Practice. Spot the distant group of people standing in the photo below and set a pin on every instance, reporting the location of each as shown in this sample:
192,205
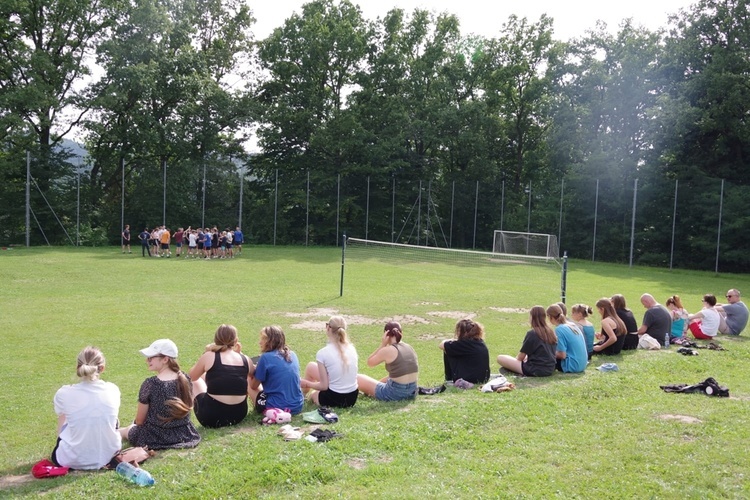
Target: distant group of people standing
558,343
206,243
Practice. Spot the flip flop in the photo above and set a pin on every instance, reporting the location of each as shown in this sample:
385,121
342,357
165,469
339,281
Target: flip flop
290,433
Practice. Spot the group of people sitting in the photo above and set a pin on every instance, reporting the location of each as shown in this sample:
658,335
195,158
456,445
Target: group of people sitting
556,342
207,243
224,382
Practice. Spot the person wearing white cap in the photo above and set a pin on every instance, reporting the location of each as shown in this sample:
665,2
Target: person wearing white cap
162,419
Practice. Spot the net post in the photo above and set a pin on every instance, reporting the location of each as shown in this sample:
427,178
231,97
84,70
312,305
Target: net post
564,277
343,255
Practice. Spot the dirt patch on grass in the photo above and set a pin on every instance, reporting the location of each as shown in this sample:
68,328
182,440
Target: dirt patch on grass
683,419
11,481
430,336
428,303
316,319
511,310
452,314
357,463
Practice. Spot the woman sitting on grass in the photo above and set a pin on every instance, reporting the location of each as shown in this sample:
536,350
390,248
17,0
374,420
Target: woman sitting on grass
333,376
612,335
679,316
87,436
401,364
630,340
220,378
704,324
537,355
571,346
580,313
276,383
162,419
466,355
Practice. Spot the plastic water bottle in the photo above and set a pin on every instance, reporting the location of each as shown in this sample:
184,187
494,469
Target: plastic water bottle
134,474
666,341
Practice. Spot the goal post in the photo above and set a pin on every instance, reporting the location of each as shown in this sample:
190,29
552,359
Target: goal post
530,245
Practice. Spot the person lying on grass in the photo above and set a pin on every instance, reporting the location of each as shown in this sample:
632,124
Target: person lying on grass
331,380
401,364
162,419
537,355
466,355
87,416
220,378
276,383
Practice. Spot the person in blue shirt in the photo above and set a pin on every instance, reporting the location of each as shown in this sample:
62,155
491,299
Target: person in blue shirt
278,372
238,239
571,354
144,237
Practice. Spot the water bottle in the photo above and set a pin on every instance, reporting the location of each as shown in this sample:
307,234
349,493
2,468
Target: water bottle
134,474
666,341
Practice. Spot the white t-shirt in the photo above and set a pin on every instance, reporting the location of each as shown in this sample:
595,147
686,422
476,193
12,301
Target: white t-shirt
710,322
341,378
89,438
192,238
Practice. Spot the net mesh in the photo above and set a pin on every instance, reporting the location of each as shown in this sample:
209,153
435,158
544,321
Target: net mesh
430,267
532,245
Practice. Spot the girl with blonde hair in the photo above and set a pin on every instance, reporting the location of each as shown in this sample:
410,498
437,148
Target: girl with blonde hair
221,377
87,416
162,419
537,355
276,383
332,378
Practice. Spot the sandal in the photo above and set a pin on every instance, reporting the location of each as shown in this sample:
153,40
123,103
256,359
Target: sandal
291,433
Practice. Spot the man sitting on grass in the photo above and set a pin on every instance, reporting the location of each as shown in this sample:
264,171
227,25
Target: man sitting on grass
734,314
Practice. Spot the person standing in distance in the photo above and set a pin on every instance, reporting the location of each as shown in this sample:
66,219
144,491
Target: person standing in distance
144,237
238,239
126,238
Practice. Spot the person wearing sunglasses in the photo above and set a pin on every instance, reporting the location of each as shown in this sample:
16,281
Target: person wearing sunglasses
733,315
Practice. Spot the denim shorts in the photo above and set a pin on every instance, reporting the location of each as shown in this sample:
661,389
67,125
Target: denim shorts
393,391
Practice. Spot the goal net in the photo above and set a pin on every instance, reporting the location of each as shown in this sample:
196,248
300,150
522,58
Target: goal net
529,245
433,267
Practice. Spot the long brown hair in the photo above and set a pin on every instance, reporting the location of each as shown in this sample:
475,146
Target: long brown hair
608,311
180,406
225,338
538,320
393,329
275,340
556,314
467,329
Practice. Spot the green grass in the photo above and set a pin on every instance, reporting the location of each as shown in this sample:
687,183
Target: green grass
590,436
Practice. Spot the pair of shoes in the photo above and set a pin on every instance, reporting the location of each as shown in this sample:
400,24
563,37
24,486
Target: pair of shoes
328,415
686,351
429,391
290,433
462,384
324,435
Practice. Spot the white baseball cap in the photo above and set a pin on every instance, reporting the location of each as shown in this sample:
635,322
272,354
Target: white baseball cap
161,347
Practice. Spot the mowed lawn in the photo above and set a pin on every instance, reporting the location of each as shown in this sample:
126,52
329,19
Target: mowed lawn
595,435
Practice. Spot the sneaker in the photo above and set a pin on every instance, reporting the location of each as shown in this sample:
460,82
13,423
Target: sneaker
463,384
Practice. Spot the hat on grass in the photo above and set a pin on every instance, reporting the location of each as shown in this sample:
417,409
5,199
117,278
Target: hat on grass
161,347
45,468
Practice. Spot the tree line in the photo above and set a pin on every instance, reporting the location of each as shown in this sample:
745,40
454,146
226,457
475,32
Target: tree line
523,122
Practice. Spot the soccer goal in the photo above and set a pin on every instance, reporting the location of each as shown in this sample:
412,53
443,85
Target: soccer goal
437,265
529,245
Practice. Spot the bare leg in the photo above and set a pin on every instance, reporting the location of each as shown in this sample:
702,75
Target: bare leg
510,363
367,385
124,431
199,386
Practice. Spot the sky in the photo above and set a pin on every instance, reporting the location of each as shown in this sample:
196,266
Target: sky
485,17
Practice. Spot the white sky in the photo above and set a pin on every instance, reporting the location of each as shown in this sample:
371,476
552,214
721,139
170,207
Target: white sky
485,17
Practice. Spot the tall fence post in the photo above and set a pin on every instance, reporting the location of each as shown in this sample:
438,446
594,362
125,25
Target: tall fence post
307,210
476,209
28,198
367,209
559,225
674,222
632,221
596,214
242,184
164,191
122,194
393,208
275,205
203,201
718,231
419,213
338,204
453,199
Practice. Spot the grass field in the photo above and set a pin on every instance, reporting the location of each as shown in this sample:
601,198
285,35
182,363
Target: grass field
595,435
